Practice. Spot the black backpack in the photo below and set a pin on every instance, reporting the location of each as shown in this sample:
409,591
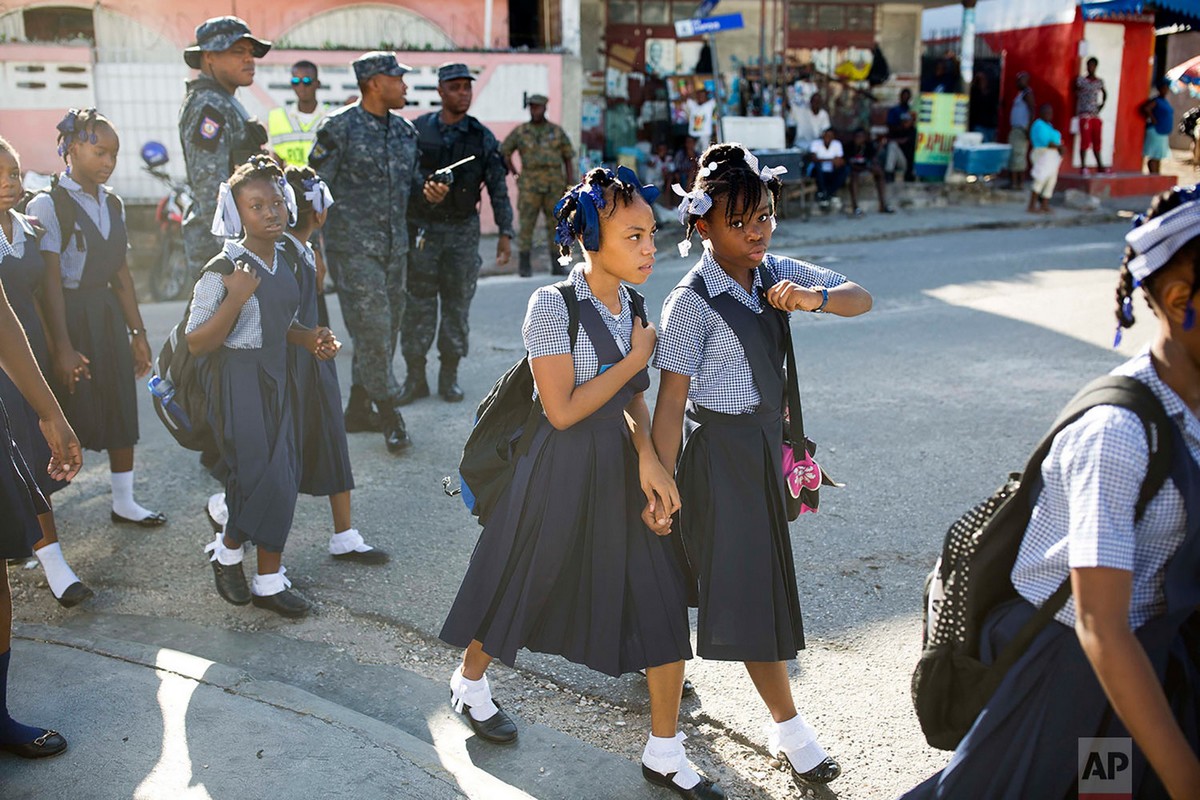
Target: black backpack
180,402
505,422
65,209
950,685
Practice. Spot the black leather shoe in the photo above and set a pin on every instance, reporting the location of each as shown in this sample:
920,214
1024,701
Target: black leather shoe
360,417
288,603
231,583
373,556
50,743
75,594
704,790
154,520
415,388
395,435
448,386
822,773
497,729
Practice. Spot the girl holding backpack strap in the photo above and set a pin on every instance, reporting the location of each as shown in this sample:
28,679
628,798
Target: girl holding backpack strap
96,332
22,271
721,352
568,561
243,316
1128,638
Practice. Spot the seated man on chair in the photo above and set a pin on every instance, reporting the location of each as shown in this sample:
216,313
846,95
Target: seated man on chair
828,165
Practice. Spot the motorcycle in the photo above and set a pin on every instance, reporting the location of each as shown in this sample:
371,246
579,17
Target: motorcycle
170,279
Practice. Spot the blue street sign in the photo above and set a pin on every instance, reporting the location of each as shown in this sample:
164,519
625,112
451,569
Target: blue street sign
706,8
685,28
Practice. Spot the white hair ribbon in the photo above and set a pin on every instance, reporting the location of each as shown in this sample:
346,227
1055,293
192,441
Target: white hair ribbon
318,195
227,223
289,200
1157,240
695,202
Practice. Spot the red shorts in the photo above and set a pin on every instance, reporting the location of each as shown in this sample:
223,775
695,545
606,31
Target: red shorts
1089,133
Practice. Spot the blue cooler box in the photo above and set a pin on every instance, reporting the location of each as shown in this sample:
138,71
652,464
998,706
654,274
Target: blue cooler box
982,159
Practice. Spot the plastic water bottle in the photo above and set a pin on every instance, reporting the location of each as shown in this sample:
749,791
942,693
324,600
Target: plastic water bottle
162,388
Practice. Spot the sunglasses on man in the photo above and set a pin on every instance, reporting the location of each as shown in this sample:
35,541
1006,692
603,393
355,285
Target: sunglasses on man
306,80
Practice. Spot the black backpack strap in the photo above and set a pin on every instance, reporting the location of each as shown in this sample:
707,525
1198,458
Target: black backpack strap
567,290
638,303
65,211
292,255
1110,390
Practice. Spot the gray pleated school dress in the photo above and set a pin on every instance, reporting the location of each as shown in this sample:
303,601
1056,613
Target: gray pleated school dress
565,564
1050,700
250,410
317,404
20,498
103,410
21,277
735,548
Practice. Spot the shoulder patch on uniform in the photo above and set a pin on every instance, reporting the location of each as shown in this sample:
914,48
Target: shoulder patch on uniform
208,128
325,145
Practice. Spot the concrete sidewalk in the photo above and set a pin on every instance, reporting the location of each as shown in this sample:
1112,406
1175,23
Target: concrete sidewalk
238,715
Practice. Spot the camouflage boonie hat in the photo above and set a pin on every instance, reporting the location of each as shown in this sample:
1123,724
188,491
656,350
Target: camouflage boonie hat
218,35
378,62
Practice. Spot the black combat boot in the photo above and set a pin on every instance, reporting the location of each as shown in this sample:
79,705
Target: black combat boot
360,415
394,433
448,386
524,265
415,385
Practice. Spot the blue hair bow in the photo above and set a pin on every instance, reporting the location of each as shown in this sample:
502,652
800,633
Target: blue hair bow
67,123
589,199
649,192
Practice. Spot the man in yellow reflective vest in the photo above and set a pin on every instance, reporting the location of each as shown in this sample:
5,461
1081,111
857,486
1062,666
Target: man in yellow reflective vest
293,130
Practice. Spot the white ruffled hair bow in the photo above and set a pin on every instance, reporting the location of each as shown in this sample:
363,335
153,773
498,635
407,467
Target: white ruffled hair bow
318,195
227,223
766,173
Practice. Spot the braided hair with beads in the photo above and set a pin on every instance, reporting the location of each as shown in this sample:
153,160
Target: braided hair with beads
728,170
259,167
577,214
79,126
1189,252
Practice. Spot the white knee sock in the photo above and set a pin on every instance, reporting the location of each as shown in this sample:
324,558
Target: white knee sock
122,497
476,695
664,755
798,740
59,574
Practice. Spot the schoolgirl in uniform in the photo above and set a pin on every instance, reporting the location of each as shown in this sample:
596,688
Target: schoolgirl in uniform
566,562
721,351
22,502
239,328
320,428
1128,639
96,332
22,271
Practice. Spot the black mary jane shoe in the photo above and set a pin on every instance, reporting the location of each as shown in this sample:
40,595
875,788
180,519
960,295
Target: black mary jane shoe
50,743
704,790
497,729
154,520
822,773
231,583
288,603
75,594
372,557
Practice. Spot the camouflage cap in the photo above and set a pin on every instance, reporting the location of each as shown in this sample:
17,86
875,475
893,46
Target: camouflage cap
378,62
537,100
217,35
449,72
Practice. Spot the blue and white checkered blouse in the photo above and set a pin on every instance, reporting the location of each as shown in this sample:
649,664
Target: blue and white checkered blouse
546,329
209,292
22,230
1084,515
694,340
74,258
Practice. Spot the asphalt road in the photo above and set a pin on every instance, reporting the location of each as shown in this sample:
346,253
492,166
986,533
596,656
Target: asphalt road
921,407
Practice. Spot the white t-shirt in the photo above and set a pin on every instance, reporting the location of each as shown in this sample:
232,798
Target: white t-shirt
826,154
700,120
810,126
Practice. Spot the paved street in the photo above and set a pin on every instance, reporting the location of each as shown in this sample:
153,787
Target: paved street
921,407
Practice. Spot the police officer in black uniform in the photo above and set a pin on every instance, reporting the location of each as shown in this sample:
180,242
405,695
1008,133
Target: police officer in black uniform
215,129
444,260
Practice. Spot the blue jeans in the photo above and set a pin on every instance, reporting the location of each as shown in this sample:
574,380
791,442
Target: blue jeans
828,183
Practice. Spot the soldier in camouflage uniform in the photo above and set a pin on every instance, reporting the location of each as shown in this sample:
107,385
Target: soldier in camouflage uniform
368,157
215,129
546,172
445,258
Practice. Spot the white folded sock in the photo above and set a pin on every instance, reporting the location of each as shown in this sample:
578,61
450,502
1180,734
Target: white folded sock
218,510
227,556
476,695
348,541
798,740
664,755
272,583
122,497
59,574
